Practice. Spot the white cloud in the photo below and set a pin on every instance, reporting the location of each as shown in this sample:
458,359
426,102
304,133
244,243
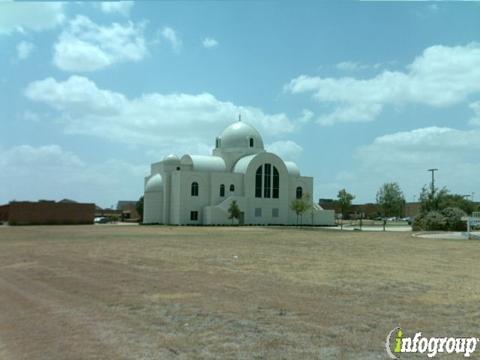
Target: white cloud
209,43
307,116
24,49
354,113
171,120
120,7
171,36
417,145
355,66
86,46
25,16
441,76
65,175
286,149
475,106
51,156
405,157
347,66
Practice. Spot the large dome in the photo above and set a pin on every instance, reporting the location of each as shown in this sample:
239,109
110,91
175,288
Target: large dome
240,135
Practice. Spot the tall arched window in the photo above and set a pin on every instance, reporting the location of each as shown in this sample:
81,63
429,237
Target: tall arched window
194,191
222,190
232,188
267,182
251,142
258,182
299,192
276,183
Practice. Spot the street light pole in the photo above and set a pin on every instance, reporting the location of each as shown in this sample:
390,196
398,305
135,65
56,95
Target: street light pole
433,178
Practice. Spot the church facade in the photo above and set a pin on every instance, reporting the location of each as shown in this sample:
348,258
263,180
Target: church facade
198,189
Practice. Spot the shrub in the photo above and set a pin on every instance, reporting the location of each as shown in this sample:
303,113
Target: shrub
434,220
448,219
418,223
453,216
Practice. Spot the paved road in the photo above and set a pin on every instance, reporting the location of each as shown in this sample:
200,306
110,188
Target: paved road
373,228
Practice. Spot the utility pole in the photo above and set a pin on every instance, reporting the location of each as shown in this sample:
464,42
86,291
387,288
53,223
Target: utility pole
433,179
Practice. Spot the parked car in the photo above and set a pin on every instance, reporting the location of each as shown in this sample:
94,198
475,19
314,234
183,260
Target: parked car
101,220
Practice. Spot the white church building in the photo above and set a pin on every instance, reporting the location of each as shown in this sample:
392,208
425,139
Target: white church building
198,189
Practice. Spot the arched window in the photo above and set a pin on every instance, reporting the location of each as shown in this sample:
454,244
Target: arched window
258,182
267,182
194,189
299,192
251,142
222,190
276,183
232,187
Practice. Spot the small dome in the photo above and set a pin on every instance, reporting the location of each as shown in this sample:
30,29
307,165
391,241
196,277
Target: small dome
240,135
154,184
292,168
171,159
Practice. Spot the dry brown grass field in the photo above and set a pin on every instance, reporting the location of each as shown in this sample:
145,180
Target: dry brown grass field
148,292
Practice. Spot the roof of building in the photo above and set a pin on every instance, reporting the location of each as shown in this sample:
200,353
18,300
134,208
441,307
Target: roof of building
171,159
154,184
238,135
125,203
67,201
204,162
242,164
292,168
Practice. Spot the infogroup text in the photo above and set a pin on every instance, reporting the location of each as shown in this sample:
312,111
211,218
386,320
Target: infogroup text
397,343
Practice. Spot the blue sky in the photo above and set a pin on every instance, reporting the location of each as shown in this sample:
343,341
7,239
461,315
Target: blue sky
357,93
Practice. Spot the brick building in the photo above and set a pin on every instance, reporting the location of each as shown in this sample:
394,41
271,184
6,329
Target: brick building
47,213
128,209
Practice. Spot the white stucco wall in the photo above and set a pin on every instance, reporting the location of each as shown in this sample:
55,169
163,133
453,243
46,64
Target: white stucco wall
187,202
235,162
153,208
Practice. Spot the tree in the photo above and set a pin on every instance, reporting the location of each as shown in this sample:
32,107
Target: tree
139,207
456,201
345,201
431,199
390,199
300,206
234,211
440,210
